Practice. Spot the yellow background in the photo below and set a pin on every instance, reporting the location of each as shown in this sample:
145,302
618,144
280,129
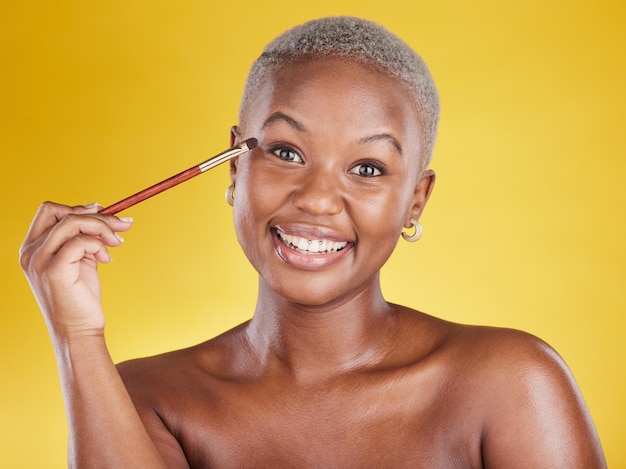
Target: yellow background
525,228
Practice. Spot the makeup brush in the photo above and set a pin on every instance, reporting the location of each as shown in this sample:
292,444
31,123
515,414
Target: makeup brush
180,177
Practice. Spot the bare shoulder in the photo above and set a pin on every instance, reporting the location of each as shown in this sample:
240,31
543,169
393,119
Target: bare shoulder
513,370
182,370
155,372
172,392
530,409
512,365
519,402
507,353
486,350
491,353
537,411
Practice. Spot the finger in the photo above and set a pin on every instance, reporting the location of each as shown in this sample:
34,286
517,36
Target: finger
49,214
72,225
72,221
115,222
43,250
79,248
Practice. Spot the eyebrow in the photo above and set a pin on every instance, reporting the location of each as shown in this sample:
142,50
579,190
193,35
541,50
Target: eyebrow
280,116
388,137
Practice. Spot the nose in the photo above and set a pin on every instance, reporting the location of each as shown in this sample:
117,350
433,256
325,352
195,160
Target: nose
318,193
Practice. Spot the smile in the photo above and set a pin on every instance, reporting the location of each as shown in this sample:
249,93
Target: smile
311,246
308,248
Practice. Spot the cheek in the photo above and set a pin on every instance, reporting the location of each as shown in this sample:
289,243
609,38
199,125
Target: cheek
257,198
246,226
258,193
380,216
378,232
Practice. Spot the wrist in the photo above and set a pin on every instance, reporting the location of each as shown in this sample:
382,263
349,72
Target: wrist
67,341
72,330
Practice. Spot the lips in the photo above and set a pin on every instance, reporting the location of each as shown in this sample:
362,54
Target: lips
309,248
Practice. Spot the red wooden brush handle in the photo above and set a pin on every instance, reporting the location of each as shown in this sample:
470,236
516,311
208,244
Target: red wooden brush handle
237,150
151,191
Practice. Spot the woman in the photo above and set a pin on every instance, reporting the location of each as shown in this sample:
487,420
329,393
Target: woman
326,373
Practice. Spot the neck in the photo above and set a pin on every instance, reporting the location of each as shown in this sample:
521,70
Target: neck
310,342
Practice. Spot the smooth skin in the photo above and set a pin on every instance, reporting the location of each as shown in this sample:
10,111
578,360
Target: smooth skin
326,373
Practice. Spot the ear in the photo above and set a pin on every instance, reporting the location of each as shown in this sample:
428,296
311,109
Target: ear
235,138
421,195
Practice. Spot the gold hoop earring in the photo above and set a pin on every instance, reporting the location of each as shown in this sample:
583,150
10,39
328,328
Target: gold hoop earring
411,238
230,195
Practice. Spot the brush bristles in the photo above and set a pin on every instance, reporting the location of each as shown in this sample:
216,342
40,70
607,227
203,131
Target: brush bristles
251,143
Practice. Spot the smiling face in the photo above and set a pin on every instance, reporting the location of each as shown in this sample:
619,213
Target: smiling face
321,201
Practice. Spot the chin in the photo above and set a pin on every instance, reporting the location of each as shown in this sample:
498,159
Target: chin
311,292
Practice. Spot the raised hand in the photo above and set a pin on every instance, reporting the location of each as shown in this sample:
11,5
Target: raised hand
60,257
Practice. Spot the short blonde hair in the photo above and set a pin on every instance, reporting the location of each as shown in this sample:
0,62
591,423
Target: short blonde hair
362,41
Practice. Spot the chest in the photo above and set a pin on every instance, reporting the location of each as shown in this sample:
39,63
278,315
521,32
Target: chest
360,425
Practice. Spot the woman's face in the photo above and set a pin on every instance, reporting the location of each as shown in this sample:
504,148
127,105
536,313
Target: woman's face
320,203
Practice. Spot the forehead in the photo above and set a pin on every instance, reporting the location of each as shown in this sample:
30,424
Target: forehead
338,90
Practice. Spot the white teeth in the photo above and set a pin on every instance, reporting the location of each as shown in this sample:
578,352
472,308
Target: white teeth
311,245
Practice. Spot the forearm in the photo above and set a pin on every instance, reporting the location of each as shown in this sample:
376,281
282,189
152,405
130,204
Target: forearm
105,428
59,257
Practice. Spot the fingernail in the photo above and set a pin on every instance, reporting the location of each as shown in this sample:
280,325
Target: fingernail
93,205
126,219
119,238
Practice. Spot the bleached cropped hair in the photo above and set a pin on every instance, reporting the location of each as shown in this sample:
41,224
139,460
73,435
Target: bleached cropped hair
362,41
